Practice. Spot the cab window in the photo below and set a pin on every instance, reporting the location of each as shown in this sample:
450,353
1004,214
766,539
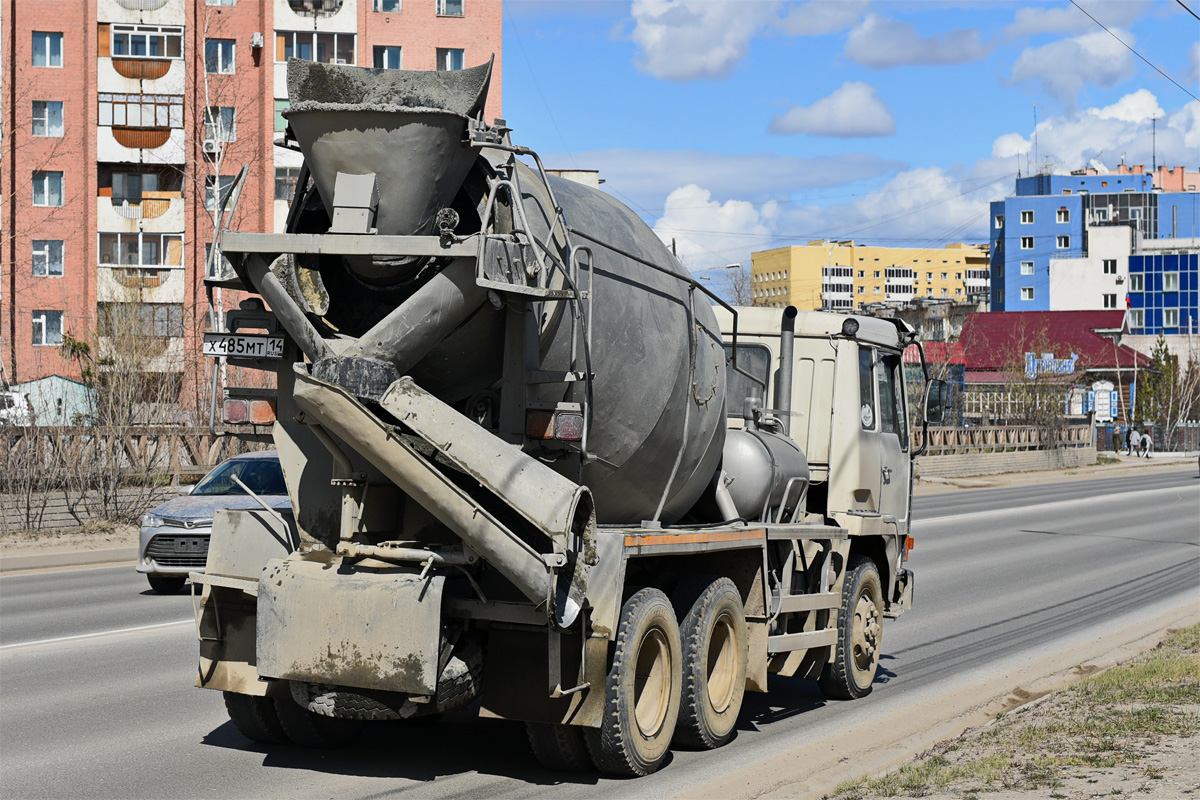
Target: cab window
754,359
891,399
866,388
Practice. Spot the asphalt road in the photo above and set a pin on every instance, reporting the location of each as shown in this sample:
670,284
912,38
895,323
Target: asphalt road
96,696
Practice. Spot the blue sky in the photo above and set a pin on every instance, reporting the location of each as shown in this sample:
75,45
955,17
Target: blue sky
750,124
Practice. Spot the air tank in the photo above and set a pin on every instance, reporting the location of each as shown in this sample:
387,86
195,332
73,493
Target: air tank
657,394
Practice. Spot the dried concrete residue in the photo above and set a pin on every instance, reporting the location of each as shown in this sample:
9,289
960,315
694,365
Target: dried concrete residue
458,91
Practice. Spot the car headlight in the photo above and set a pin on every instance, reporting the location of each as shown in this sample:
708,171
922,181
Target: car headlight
151,521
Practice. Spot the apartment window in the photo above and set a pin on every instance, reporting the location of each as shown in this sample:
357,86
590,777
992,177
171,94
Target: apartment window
1026,242
163,320
47,49
1026,267
47,328
392,6
999,223
47,258
47,118
1063,242
161,250
1170,317
1026,292
450,8
141,110
1063,215
1110,266
958,276
327,48
958,292
215,189
220,2
1170,281
876,274
862,273
449,59
219,56
945,292
944,275
1135,282
387,57
47,188
220,124
1110,300
1137,319
862,290
1026,217
928,277
285,182
875,290
146,41
127,187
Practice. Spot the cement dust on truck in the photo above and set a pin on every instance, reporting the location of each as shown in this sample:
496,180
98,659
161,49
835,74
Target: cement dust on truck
532,462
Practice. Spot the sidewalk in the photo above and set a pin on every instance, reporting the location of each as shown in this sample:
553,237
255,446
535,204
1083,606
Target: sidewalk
1112,465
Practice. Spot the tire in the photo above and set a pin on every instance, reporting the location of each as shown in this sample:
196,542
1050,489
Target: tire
642,692
313,730
860,635
559,747
255,718
166,584
715,650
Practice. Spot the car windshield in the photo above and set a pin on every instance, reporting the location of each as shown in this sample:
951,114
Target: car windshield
262,475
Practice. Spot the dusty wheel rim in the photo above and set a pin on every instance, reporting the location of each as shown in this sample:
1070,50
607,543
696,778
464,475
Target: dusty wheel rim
652,683
867,629
721,666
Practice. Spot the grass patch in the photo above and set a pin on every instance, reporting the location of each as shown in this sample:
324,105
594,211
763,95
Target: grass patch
1103,721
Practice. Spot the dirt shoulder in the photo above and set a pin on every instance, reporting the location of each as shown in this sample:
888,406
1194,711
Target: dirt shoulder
1112,465
1132,730
25,543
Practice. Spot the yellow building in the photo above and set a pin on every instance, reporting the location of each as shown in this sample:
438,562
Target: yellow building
840,275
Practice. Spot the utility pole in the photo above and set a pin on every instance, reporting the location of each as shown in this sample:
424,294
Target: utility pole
1154,144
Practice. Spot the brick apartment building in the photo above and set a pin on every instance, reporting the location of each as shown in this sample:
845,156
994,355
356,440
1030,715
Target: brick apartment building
121,120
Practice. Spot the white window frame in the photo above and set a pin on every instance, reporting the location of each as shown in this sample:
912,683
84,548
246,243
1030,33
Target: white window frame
385,50
1137,318
47,254
217,61
1063,215
377,5
1108,300
1027,217
46,114
49,41
309,38
1027,293
1136,282
46,177
1024,240
444,8
447,57
223,183
220,123
1026,267
1062,242
1170,282
145,33
1170,317
1109,266
150,110
141,239
44,333
999,223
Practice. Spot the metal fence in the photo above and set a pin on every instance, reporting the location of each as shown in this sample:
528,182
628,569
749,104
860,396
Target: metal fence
947,441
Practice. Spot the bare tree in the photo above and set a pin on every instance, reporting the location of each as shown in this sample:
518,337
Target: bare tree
1169,394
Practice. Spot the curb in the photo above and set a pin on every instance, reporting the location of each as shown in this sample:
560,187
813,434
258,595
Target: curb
70,558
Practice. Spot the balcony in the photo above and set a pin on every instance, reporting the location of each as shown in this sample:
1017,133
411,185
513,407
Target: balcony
141,69
150,205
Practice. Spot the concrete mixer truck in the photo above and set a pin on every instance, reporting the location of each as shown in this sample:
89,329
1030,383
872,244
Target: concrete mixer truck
535,467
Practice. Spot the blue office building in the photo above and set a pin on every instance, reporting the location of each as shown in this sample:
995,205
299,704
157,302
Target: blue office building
1049,218
1164,290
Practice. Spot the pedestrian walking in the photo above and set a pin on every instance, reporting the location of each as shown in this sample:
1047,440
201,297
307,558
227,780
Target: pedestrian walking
1116,439
1147,443
1129,441
1135,443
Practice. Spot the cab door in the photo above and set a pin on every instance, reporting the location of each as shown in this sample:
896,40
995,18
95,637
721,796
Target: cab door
895,466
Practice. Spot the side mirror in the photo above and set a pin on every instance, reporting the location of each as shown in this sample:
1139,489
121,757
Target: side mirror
937,399
185,490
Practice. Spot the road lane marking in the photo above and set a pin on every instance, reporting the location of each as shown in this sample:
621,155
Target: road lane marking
97,634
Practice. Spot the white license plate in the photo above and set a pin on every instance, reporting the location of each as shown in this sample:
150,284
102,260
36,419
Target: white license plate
243,345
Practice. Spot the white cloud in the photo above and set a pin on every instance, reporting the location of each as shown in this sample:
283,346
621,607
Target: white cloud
1061,69
854,109
1068,19
1193,74
1121,130
682,40
819,17
712,234
881,43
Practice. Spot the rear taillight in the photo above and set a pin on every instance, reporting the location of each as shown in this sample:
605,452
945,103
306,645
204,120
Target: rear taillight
564,424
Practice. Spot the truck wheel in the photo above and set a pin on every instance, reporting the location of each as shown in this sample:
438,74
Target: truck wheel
166,584
860,635
313,730
642,692
255,718
559,747
714,667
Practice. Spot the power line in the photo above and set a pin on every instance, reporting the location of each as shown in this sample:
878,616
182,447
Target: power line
1135,52
1185,8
